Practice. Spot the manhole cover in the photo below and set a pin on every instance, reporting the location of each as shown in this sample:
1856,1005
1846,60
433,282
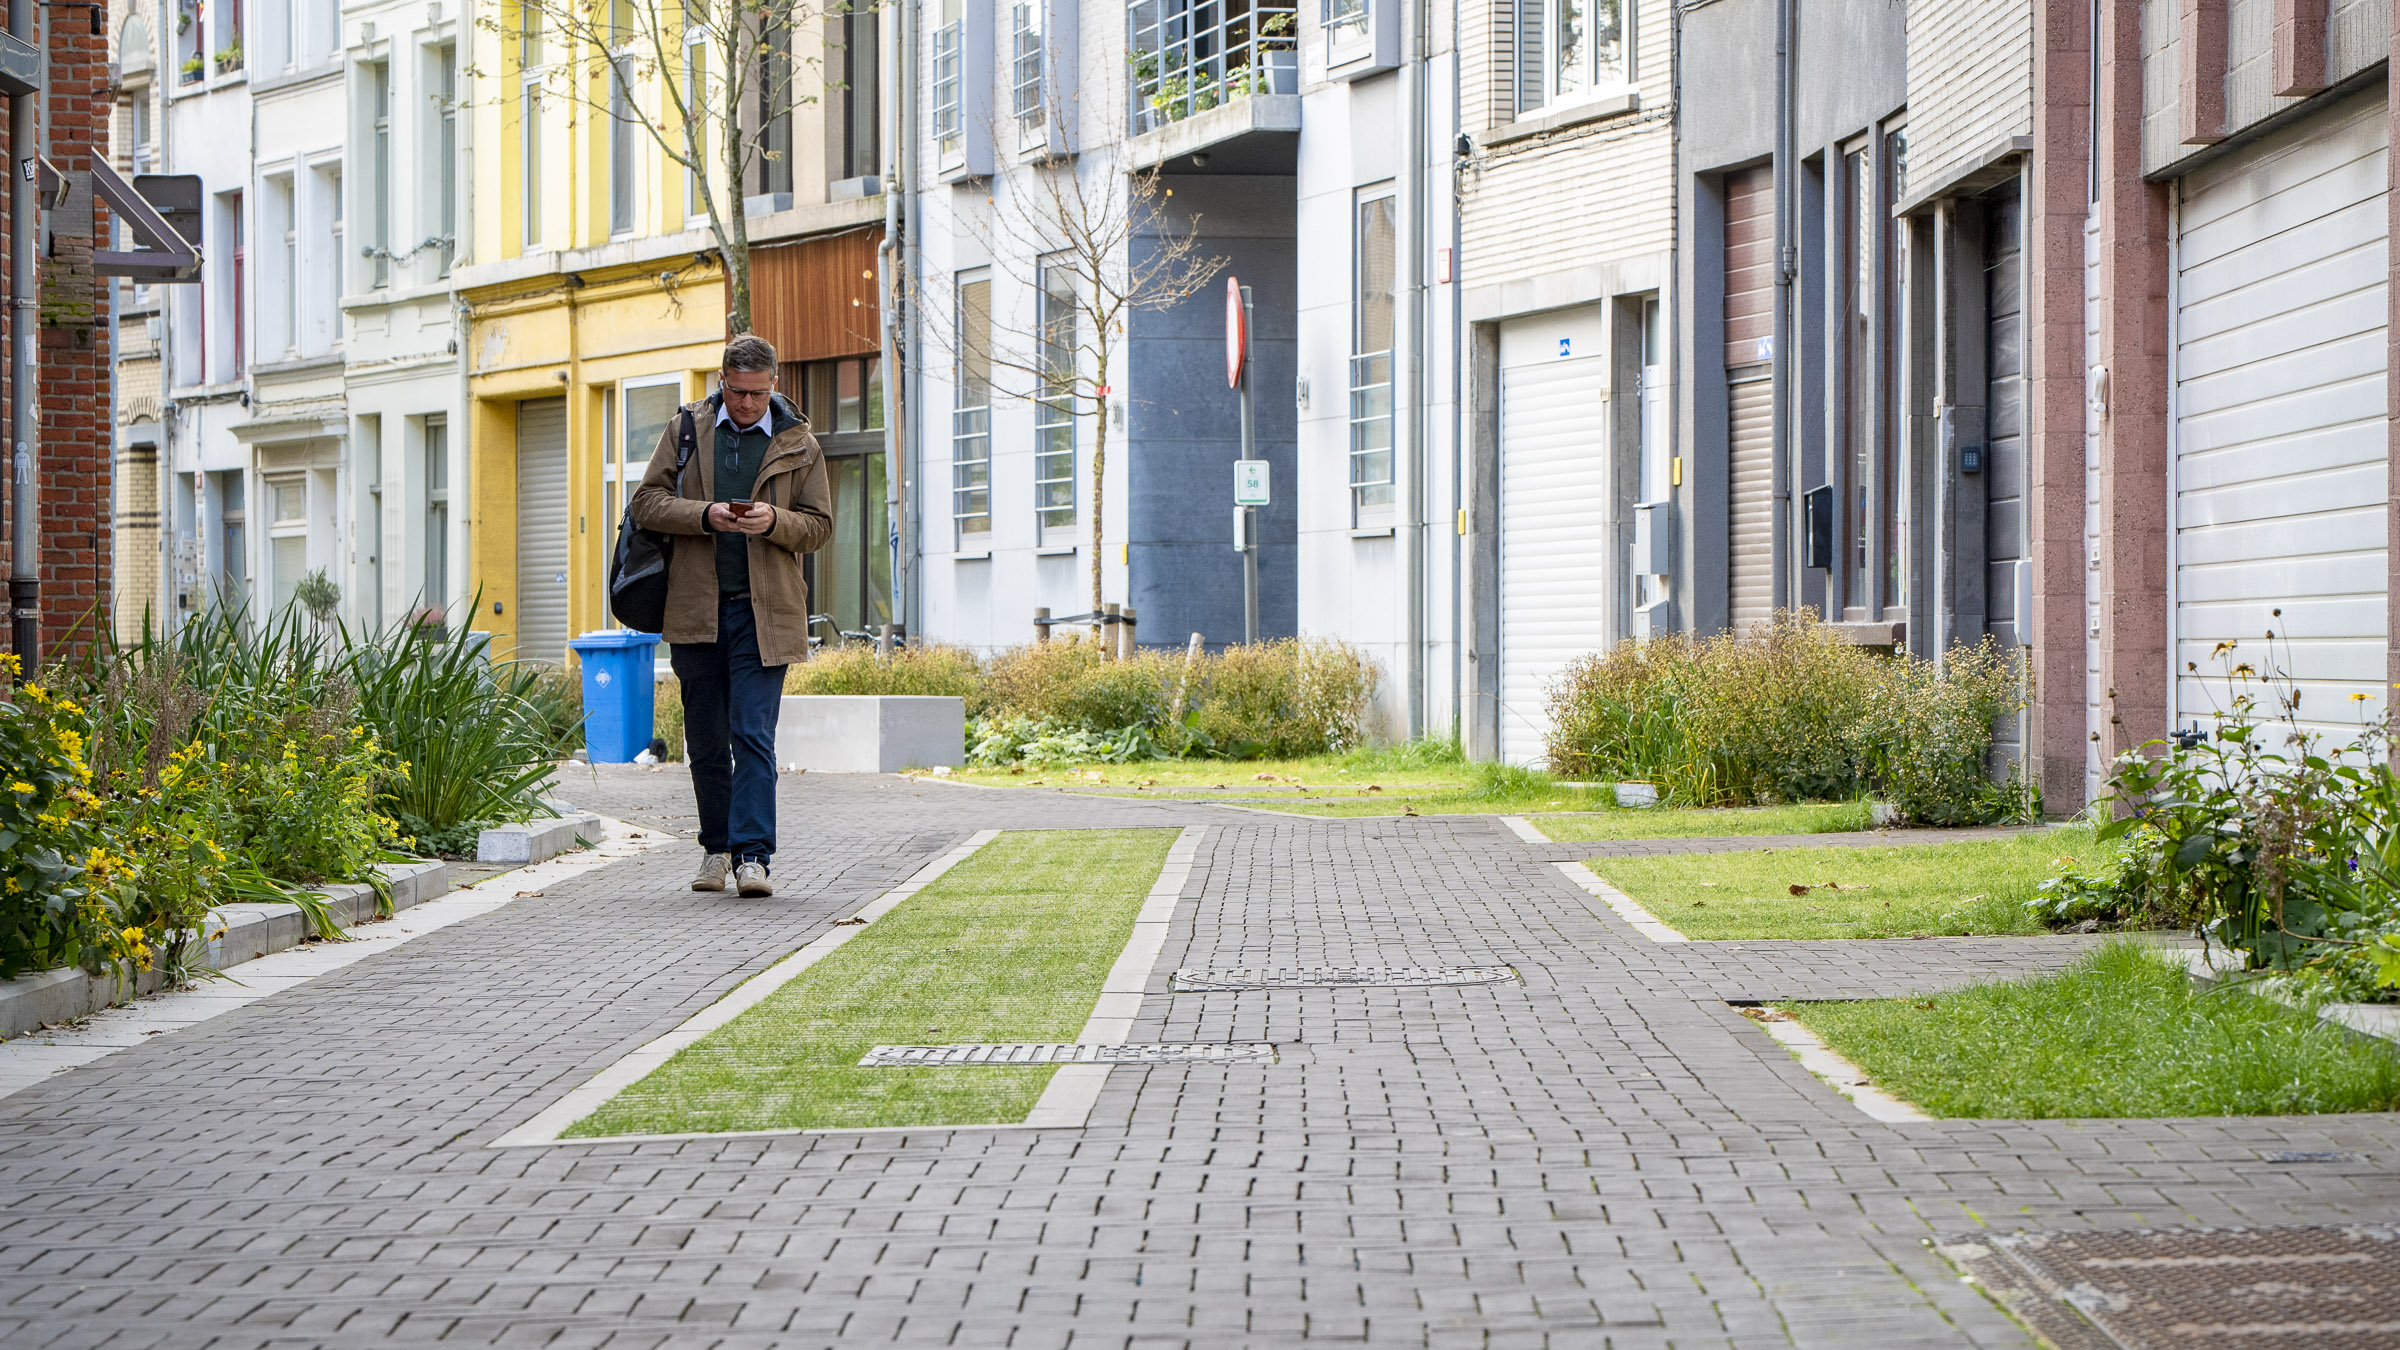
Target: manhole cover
2326,1288
1336,977
1032,1052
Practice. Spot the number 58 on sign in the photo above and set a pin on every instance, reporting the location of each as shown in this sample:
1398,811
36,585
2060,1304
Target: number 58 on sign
1250,482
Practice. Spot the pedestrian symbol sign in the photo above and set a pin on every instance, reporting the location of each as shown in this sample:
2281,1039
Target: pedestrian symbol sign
1249,482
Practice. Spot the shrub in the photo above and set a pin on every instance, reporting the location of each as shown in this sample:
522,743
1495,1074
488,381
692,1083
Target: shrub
1283,699
44,830
557,698
666,722
2288,848
472,733
1927,728
853,668
1790,712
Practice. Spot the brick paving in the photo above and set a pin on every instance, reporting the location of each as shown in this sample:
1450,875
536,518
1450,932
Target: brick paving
1602,1155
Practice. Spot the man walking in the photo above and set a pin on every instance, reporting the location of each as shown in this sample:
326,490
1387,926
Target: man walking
752,500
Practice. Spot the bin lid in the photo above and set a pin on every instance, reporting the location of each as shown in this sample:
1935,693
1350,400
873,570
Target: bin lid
610,639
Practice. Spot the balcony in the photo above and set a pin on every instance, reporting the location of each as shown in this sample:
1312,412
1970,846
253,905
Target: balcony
1216,85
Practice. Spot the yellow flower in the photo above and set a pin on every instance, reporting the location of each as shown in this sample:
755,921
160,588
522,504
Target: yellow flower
28,787
132,935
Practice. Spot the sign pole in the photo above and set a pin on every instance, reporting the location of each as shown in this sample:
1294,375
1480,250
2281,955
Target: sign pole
1249,513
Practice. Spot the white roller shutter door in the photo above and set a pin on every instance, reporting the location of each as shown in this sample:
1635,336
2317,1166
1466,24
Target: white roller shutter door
1750,561
1554,582
2281,450
542,514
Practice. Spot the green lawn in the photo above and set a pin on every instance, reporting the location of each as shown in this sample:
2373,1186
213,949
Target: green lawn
1976,887
2121,1033
1666,823
1011,945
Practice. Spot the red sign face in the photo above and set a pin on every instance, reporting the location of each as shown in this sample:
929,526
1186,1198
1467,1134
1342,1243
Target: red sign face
1237,334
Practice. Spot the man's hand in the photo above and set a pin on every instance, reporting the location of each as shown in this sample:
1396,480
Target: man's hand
758,519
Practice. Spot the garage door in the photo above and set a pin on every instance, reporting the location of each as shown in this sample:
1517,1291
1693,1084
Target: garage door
1750,395
1554,511
2279,475
542,530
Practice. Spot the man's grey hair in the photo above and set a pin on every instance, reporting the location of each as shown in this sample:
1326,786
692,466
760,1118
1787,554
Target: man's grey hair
750,353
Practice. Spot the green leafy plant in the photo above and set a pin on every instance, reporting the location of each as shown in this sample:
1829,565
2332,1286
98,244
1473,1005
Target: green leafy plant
2289,847
853,668
1789,712
319,596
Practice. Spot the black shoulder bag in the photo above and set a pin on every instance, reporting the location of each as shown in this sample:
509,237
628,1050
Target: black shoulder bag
637,575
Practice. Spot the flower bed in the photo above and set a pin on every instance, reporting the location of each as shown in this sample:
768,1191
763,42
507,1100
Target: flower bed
1068,701
154,782
1790,712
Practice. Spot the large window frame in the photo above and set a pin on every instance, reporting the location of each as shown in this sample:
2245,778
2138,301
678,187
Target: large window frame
1570,52
971,413
624,133
529,129
376,88
442,76
436,452
630,427
1054,476
1374,290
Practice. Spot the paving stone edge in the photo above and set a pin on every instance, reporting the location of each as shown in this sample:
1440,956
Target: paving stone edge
243,932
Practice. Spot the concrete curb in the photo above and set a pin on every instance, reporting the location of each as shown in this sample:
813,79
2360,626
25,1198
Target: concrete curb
533,841
243,932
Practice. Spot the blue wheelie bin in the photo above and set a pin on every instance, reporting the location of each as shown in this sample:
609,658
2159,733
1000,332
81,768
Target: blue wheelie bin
619,693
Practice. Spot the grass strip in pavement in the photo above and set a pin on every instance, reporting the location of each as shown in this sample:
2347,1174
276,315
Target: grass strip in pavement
1975,887
1011,945
1673,823
2122,1032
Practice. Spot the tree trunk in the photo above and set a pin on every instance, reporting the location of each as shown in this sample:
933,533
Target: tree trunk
1099,467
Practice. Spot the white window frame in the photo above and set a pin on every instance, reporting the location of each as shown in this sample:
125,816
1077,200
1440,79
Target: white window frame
279,290
440,153
1054,401
695,87
433,445
1593,78
971,424
281,527
1373,488
949,84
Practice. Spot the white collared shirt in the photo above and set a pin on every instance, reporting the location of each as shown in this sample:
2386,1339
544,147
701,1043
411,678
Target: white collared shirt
725,417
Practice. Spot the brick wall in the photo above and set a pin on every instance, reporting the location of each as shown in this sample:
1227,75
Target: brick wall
73,468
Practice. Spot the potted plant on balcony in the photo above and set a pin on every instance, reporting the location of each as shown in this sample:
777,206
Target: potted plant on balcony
1279,56
229,57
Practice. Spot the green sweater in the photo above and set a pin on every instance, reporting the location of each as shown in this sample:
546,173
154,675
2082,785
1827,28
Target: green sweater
739,453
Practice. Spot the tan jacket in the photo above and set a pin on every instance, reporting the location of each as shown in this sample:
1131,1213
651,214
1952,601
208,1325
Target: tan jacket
791,479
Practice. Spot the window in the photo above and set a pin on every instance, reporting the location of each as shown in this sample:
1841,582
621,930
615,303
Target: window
191,41
695,70
323,253
1376,282
1025,72
971,418
377,79
1571,50
649,404
862,102
279,280
437,511
444,197
1891,495
237,293
1345,21
233,567
1054,409
1193,55
624,167
839,396
771,165
529,127
138,128
287,538
949,99
371,531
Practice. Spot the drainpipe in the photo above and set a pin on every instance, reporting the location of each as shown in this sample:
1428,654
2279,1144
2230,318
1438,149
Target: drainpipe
897,182
1784,447
1412,391
24,576
1458,417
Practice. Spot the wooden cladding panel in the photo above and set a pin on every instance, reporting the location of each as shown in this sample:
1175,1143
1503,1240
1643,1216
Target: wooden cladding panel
1749,263
817,298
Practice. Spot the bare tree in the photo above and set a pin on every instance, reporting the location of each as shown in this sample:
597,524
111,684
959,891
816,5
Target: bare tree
702,79
1099,246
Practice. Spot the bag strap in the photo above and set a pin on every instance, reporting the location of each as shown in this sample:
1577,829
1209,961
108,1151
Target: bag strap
684,440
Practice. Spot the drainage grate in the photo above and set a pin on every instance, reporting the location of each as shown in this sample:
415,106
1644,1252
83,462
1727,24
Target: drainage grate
2328,1288
2313,1157
1336,977
1029,1052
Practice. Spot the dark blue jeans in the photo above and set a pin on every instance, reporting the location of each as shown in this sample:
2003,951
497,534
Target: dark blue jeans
730,703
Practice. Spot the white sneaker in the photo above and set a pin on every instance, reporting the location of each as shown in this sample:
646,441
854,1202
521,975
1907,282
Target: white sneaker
751,878
712,872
